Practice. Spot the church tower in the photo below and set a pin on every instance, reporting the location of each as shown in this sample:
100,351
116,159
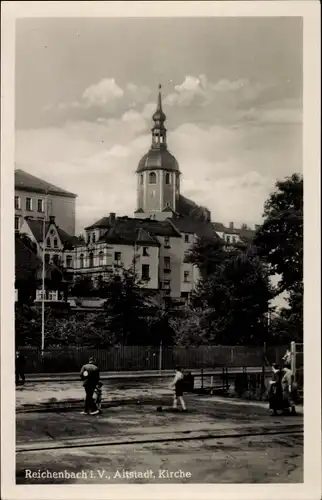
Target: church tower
158,175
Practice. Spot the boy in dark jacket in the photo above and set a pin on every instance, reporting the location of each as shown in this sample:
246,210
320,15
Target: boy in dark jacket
90,375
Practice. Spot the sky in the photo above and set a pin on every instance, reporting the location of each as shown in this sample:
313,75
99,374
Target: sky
86,90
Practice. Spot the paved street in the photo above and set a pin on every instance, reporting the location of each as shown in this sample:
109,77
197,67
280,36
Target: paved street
217,440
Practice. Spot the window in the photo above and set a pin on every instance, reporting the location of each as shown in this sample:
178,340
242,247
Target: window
234,239
47,258
40,206
17,224
167,242
101,258
145,272
39,295
48,243
91,260
81,260
228,239
56,259
117,256
52,295
186,276
186,238
145,252
152,178
17,203
166,284
167,178
167,263
93,238
69,261
88,238
141,179
29,204
55,243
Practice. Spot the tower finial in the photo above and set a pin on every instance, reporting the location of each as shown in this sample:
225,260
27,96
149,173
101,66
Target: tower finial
160,86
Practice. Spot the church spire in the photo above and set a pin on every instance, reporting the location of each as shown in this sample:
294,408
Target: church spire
159,132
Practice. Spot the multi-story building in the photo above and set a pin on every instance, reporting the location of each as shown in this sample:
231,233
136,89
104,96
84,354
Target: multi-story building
38,199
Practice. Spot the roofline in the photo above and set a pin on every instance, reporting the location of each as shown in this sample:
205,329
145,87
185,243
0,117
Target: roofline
64,194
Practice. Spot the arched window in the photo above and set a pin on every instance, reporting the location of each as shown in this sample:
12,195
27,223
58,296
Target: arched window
48,243
152,178
91,260
55,243
81,260
69,261
93,238
141,179
101,258
167,178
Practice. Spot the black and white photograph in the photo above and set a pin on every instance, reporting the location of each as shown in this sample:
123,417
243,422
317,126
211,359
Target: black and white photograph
155,201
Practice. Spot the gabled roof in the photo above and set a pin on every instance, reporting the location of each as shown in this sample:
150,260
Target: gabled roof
127,233
36,226
27,182
120,226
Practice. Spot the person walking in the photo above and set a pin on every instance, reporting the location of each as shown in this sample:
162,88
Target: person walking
20,367
90,375
177,384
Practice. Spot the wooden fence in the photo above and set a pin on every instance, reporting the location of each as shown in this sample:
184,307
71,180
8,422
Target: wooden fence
130,358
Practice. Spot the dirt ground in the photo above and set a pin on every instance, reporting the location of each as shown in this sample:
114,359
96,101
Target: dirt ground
214,455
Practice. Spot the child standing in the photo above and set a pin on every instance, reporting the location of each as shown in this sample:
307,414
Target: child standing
177,384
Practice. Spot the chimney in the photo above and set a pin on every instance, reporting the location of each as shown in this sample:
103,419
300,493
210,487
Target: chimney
52,219
231,225
112,217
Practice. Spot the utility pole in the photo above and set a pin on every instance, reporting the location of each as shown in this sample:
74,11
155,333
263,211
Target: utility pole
43,277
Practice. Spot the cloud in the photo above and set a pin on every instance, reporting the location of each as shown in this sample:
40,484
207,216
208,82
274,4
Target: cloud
232,139
102,93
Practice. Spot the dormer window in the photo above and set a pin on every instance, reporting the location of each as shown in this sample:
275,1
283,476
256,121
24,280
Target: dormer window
152,178
55,243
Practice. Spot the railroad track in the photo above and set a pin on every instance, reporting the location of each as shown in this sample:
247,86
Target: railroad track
163,438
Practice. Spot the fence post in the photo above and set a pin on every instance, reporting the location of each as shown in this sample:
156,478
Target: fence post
293,359
160,359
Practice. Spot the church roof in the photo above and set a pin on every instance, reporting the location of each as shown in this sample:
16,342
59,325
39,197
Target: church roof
158,159
27,182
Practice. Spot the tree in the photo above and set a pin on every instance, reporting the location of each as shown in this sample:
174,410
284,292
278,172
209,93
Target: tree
82,287
125,307
206,254
279,241
235,297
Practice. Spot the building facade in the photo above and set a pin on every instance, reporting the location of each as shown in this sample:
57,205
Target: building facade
38,199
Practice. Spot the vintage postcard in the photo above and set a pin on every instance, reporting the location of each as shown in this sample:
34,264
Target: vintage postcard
156,340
